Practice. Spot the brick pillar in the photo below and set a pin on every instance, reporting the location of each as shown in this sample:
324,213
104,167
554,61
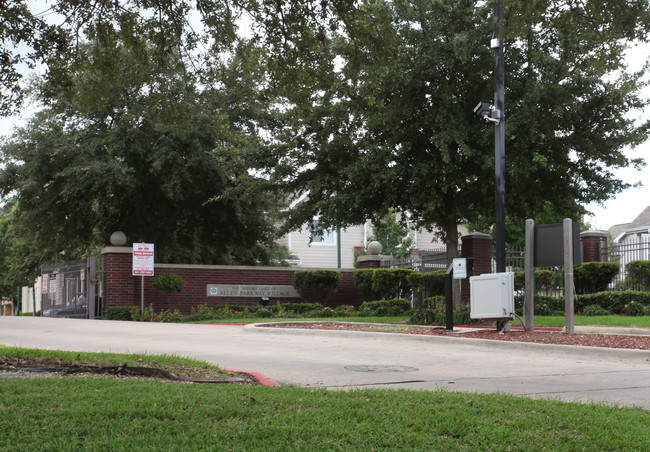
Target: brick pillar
593,242
119,283
479,247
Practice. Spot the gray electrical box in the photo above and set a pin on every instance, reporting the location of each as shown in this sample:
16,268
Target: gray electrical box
492,296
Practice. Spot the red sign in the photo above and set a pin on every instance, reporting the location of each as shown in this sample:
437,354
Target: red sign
143,259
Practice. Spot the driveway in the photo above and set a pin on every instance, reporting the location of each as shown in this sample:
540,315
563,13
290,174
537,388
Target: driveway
342,360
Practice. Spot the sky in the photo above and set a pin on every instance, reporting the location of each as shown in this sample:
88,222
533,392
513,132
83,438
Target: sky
622,208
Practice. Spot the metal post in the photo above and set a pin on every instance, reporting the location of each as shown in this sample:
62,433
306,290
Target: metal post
449,311
568,276
142,296
499,138
529,278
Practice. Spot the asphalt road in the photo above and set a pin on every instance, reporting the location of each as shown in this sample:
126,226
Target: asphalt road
341,360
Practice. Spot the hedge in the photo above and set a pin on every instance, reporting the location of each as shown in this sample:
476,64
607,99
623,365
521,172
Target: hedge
391,282
363,282
594,277
391,307
316,286
612,301
638,273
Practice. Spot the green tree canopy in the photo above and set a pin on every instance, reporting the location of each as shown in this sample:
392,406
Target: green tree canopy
381,114
130,142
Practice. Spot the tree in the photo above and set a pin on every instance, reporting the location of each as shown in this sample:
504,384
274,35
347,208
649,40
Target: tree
129,142
383,117
395,237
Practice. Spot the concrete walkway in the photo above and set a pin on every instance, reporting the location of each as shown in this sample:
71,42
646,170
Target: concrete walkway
348,359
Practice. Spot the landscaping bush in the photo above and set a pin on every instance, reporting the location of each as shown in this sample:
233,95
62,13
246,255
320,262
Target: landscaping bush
433,283
594,310
119,312
593,277
638,273
390,283
544,280
317,286
635,308
168,283
543,305
363,282
298,308
434,312
381,308
613,301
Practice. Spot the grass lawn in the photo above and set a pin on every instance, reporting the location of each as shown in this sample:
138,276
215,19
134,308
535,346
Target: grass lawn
99,413
603,320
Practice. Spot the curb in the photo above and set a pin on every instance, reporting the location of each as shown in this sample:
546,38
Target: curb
550,350
258,377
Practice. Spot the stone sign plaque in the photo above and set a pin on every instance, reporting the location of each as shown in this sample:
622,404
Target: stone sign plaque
251,291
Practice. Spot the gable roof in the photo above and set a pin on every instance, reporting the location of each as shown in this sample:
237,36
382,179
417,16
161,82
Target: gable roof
643,220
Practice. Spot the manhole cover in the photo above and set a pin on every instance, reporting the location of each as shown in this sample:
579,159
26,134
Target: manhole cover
382,368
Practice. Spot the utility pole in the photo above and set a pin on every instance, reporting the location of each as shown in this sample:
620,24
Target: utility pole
499,137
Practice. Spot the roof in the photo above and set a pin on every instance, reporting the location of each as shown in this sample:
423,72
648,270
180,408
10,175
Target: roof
642,220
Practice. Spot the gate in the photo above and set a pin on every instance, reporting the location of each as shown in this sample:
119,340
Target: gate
70,289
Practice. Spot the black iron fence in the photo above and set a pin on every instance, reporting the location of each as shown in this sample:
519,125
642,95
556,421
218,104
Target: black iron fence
427,261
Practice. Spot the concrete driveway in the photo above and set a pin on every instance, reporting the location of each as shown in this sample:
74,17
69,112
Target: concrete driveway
341,360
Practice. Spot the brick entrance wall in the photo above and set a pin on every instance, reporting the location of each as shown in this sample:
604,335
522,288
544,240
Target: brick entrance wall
123,289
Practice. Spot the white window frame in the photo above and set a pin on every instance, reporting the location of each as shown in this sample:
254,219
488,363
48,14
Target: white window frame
328,238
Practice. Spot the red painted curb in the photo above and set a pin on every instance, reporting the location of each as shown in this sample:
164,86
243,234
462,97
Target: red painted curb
258,377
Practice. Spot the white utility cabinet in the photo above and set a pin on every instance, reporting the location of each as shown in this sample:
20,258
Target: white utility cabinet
492,296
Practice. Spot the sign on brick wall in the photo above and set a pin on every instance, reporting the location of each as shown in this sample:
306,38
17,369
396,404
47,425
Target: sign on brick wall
250,291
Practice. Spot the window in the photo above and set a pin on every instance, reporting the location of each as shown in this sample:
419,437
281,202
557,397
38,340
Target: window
325,237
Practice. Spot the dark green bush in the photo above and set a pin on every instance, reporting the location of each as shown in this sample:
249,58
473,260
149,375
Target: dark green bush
593,277
613,301
638,273
168,283
434,312
543,305
317,286
381,308
544,280
391,282
594,310
433,283
363,282
120,312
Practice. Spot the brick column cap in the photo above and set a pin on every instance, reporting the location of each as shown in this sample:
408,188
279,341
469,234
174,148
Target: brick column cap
117,250
477,235
593,233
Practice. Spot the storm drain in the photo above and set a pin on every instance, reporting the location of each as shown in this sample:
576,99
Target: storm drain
384,368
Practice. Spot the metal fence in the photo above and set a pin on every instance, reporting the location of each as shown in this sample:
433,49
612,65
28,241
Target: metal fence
427,261
69,289
633,249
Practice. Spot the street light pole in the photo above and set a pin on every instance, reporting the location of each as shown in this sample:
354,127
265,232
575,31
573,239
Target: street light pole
499,137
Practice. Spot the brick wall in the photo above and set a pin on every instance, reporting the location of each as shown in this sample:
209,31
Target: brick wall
121,288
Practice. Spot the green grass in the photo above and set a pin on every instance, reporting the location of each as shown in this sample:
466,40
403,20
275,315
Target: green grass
398,319
98,413
603,320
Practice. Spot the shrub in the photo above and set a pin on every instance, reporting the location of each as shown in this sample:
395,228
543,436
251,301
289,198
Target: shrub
300,308
434,312
168,283
120,312
634,308
316,286
638,273
363,282
593,277
545,280
543,305
391,282
433,283
594,310
391,307
611,300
